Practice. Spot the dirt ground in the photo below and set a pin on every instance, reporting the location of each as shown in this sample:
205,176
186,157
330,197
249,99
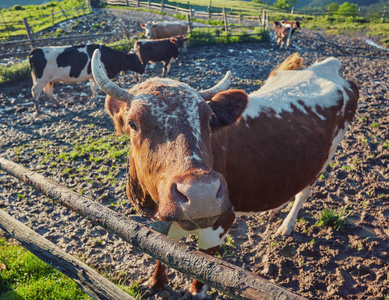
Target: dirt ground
315,262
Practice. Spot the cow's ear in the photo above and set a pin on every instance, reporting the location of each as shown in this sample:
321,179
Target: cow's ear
142,25
227,106
185,38
114,109
173,40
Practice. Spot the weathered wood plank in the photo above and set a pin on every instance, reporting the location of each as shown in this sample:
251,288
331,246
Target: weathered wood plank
86,278
223,276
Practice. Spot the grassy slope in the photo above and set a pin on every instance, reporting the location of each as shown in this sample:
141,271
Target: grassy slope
38,16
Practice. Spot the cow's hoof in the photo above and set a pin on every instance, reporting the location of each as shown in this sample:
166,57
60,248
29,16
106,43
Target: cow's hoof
283,231
199,293
153,285
146,292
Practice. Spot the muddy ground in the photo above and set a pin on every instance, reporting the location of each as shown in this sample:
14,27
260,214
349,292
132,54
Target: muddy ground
76,146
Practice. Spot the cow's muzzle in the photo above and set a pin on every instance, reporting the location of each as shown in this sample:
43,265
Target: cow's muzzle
195,199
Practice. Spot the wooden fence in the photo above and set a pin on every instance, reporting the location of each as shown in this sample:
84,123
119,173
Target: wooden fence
223,276
47,19
238,19
7,48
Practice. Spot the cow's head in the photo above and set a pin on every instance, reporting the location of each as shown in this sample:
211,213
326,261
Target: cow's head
296,25
133,63
179,41
147,27
171,161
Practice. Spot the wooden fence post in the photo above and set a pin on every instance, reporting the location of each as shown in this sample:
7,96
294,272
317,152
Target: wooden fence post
63,12
267,20
189,23
263,18
225,20
161,5
29,35
383,15
149,4
240,18
137,3
5,24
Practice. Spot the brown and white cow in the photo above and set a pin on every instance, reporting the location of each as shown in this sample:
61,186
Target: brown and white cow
162,30
284,31
199,159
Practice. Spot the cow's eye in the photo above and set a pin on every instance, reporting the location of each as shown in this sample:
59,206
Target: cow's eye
211,119
134,125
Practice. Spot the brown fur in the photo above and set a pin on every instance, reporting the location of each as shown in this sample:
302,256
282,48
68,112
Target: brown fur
292,62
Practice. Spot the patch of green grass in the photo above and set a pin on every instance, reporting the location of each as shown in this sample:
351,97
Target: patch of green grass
332,218
39,17
227,248
27,277
14,72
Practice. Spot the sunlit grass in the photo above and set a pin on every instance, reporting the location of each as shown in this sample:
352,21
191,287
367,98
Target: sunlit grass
24,276
14,72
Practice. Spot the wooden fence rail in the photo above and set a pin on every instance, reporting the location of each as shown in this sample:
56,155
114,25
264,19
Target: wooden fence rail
225,277
86,278
69,38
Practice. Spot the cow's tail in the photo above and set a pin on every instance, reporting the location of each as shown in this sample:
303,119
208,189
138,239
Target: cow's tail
293,62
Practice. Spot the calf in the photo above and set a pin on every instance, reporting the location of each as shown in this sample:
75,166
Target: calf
284,31
71,64
198,159
163,50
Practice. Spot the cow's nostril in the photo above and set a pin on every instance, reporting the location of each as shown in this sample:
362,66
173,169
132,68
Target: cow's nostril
178,195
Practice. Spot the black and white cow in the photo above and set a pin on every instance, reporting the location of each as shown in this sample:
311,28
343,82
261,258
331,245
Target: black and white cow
71,64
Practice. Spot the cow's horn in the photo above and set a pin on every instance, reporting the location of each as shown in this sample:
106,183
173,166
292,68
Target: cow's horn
221,86
104,83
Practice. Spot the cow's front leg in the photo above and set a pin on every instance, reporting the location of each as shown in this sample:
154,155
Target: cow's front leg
159,277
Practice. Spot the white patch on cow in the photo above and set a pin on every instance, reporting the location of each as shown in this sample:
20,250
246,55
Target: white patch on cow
192,157
208,237
316,86
168,118
244,213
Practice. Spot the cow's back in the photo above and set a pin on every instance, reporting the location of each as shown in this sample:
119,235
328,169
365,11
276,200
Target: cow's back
281,145
167,30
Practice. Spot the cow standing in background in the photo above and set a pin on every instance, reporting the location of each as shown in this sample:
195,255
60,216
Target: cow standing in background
163,30
163,50
72,64
284,31
199,159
